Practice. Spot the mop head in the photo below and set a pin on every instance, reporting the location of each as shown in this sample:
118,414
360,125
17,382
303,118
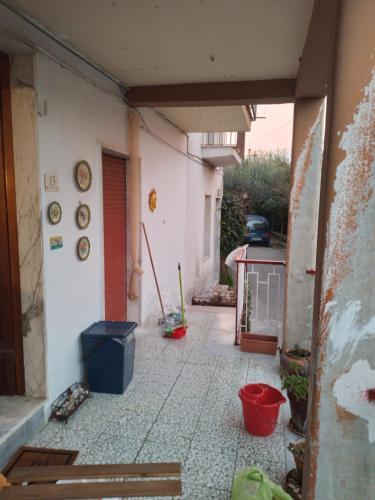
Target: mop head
176,333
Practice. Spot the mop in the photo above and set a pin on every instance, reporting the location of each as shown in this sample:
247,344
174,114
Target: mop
178,331
175,331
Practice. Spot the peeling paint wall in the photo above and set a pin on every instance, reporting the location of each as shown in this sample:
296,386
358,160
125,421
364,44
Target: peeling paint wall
307,151
341,457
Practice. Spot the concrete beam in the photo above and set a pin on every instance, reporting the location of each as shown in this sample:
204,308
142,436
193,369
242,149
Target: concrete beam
212,94
340,456
307,152
318,52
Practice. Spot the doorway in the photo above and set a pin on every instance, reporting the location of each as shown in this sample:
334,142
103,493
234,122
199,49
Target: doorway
114,218
11,348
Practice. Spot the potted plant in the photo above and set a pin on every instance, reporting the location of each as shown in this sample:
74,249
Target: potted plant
296,359
294,477
297,387
298,451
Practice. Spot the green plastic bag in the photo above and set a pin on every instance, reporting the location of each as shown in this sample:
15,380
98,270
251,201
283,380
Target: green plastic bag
253,484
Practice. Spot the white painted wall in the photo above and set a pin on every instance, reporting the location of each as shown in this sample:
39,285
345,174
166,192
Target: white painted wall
76,121
176,228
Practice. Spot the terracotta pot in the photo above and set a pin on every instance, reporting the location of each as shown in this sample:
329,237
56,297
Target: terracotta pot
291,362
298,409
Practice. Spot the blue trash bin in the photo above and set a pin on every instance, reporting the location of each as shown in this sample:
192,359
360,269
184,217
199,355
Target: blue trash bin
108,354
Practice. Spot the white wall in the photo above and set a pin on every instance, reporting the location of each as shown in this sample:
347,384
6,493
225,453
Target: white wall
75,121
201,181
176,227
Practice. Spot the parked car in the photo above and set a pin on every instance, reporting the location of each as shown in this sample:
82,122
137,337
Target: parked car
257,230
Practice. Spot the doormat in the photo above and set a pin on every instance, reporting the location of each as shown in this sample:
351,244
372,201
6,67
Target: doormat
27,456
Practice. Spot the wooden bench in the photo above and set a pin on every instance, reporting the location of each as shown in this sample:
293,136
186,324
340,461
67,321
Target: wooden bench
27,482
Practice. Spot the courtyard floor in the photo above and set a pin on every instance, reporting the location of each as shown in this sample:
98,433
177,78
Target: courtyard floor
182,405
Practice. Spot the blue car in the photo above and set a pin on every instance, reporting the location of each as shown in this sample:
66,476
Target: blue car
257,230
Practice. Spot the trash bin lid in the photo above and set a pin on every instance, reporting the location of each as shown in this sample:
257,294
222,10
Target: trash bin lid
105,329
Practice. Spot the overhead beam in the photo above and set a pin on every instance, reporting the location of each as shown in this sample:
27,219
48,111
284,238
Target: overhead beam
318,52
212,94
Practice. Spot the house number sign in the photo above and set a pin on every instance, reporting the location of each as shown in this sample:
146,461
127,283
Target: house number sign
51,182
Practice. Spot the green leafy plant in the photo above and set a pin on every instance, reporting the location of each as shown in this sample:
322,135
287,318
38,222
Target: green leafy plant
246,328
262,183
299,352
298,449
296,384
232,223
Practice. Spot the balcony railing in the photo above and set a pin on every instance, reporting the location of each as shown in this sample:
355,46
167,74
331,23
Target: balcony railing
225,139
260,297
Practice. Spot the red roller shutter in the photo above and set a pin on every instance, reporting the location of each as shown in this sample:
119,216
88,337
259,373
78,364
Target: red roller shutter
114,217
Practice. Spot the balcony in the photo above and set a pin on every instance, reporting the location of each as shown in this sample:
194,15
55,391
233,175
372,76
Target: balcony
223,149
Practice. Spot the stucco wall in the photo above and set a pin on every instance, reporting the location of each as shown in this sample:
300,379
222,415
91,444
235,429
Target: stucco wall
341,450
77,121
176,228
307,151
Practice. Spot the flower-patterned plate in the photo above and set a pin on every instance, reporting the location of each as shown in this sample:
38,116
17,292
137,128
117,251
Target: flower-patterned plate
54,212
83,175
83,216
83,248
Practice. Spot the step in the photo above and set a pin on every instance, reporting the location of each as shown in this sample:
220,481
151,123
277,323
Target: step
20,418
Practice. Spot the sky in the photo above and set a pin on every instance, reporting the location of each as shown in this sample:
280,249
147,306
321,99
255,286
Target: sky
272,133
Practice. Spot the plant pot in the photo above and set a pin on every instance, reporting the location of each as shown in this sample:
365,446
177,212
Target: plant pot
295,361
298,449
298,409
261,344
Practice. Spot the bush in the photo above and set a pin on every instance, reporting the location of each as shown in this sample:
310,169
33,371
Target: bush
262,182
232,223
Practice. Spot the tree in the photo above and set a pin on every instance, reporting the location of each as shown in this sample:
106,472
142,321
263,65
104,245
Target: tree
262,182
232,223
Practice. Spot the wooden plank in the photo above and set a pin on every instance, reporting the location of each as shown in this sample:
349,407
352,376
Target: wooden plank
213,94
93,490
58,472
28,456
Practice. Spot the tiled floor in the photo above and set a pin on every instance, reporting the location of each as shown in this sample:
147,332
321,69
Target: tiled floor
182,405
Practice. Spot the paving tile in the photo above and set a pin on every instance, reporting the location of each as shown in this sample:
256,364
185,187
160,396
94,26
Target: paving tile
267,448
173,426
191,492
215,438
135,425
182,405
112,449
164,450
201,357
205,469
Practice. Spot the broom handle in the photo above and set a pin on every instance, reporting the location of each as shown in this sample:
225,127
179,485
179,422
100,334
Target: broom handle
181,295
153,270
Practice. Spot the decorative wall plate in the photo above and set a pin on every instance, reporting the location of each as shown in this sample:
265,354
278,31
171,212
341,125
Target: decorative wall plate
54,212
83,175
152,200
83,216
83,248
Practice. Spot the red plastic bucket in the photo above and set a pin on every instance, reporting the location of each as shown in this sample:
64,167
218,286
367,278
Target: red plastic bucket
260,404
253,390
